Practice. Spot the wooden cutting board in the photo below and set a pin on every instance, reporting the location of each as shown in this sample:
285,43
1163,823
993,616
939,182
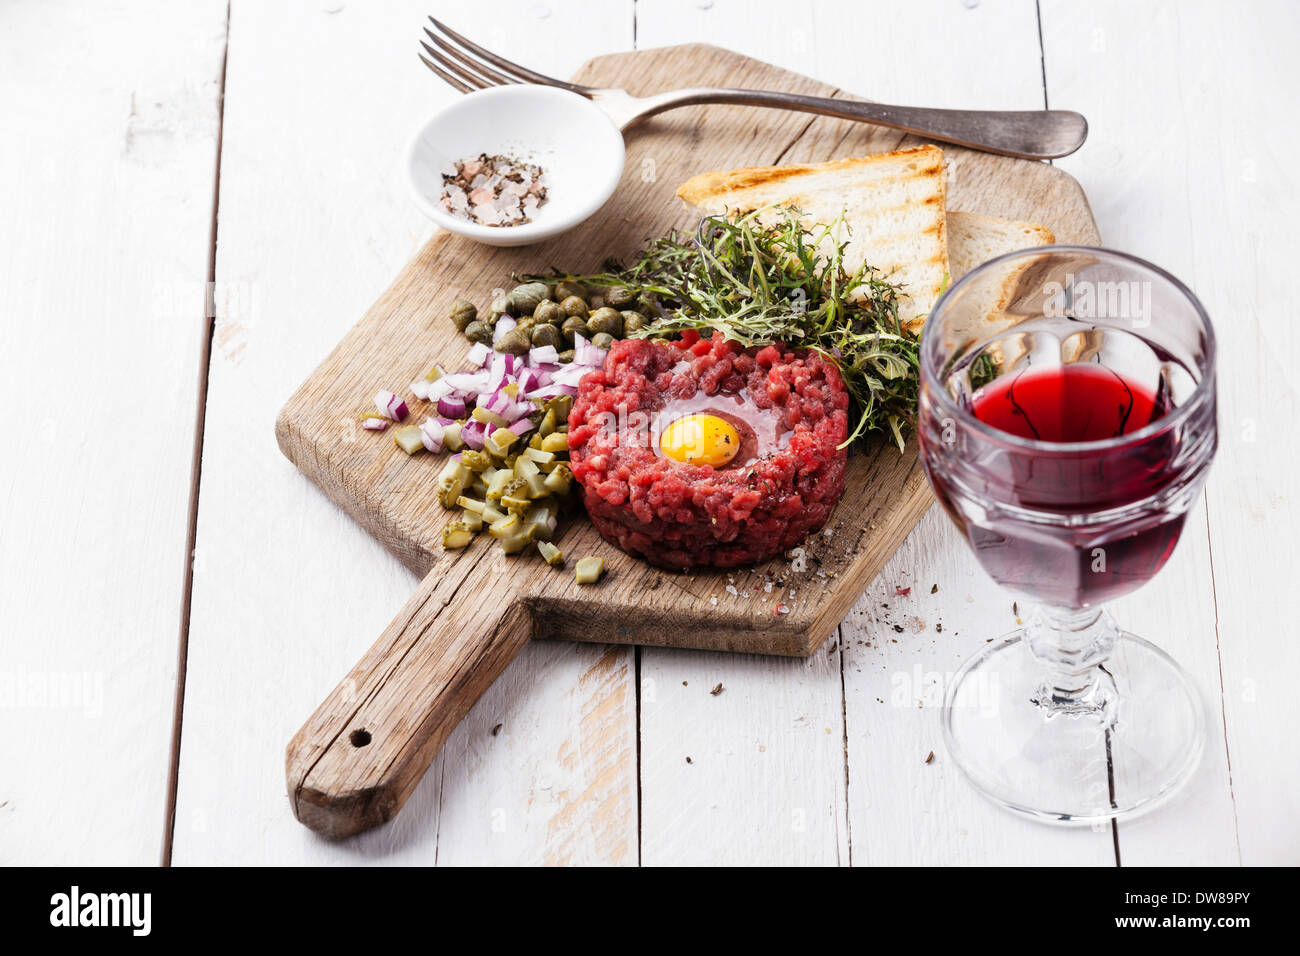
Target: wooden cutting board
355,761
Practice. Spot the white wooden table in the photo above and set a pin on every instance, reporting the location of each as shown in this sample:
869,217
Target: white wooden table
173,264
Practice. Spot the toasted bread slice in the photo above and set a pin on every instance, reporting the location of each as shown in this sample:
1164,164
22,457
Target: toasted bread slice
974,239
894,205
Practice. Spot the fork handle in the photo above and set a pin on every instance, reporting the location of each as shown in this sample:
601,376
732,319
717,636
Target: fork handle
1028,134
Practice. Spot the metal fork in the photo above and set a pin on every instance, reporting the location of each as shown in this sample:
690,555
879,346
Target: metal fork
1029,134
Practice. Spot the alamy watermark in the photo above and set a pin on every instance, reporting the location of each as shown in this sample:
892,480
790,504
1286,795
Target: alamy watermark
53,690
1127,300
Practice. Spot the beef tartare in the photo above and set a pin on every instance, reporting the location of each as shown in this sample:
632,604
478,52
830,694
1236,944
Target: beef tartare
698,452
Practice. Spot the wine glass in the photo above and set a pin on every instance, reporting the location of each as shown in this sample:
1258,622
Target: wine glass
1067,422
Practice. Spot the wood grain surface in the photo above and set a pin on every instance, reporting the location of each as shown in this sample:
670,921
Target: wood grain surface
361,754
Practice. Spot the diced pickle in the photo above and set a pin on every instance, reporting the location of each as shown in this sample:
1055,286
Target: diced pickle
589,570
560,404
515,543
505,527
472,520
481,414
452,482
497,486
408,439
558,481
547,424
516,506
456,535
537,455
553,555
475,460
556,443
539,523
537,486
469,504
526,467
451,439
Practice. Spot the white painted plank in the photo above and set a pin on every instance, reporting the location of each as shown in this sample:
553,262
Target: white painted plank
752,775
711,811
108,153
314,223
903,809
867,47
1198,176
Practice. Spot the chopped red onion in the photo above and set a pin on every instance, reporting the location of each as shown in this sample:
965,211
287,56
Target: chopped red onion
473,434
451,406
504,324
554,391
511,387
431,434
571,375
390,405
588,354
438,389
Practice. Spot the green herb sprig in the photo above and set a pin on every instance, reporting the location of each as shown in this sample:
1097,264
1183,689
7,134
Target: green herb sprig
769,277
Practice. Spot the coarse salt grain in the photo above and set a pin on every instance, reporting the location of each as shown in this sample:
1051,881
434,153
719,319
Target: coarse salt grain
493,190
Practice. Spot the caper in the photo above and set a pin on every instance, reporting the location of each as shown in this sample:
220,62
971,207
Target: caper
620,296
566,356
499,307
479,332
606,320
574,305
548,311
462,314
633,322
516,342
564,290
546,335
602,340
524,298
574,325
526,324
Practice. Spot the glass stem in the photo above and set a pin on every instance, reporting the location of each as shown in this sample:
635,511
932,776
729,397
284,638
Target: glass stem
1072,646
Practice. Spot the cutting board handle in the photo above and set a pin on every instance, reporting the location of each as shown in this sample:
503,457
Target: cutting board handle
360,755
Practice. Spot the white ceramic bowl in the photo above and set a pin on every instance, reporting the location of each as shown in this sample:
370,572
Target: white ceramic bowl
577,146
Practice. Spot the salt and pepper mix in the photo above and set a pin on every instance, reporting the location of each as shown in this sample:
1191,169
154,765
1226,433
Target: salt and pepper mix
493,190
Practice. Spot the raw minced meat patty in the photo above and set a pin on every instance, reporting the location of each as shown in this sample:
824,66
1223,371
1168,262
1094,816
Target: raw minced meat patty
792,407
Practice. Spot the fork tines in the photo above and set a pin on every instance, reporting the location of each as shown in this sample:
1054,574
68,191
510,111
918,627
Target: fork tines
466,66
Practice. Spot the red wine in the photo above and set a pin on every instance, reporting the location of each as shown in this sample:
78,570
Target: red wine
1067,403
1097,536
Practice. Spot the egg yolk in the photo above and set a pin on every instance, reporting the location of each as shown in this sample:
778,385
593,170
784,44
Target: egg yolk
701,440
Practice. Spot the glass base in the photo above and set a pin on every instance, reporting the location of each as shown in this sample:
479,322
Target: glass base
1084,767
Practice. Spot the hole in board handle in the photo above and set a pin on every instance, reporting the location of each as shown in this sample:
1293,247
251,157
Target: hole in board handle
359,738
